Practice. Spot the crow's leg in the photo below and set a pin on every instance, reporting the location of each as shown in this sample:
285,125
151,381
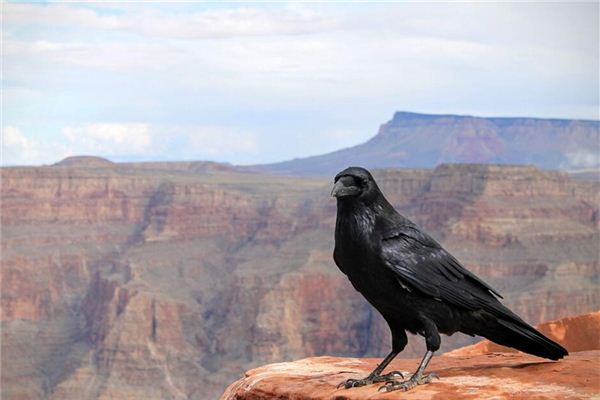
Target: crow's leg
433,341
399,340
416,379
375,376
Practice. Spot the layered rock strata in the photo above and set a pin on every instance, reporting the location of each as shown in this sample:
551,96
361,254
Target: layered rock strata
152,281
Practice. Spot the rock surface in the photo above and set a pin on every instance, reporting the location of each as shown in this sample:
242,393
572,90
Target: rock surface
167,280
484,370
492,376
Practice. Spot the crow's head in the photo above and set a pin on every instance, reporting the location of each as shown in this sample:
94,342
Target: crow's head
355,184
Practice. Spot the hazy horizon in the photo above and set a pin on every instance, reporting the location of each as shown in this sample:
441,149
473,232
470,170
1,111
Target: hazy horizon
572,167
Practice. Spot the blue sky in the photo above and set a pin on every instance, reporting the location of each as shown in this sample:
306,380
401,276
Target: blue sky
263,82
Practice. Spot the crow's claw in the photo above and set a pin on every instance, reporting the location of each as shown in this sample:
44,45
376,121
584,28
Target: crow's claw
408,384
392,375
350,383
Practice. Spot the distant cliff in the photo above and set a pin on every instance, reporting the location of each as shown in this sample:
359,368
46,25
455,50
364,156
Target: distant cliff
412,140
154,281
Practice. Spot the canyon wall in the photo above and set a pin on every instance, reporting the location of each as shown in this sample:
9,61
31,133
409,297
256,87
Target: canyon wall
156,281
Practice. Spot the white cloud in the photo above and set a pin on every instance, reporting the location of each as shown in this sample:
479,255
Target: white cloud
151,141
222,23
582,159
118,141
13,138
417,49
109,138
102,139
321,66
219,141
19,148
37,56
231,23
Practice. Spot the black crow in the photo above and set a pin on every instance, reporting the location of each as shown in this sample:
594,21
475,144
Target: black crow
415,284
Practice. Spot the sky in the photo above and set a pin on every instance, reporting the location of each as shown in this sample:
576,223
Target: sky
251,83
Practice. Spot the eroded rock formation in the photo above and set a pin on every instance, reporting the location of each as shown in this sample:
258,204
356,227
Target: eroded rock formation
157,281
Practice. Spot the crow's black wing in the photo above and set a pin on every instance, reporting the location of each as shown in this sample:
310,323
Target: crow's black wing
421,264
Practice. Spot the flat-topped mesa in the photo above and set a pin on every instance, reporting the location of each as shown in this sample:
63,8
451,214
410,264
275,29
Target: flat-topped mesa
84,162
422,141
408,116
91,162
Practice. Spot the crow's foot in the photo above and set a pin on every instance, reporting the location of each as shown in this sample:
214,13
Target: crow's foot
390,377
408,384
350,383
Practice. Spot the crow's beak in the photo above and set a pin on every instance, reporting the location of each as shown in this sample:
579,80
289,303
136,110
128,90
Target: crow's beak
339,190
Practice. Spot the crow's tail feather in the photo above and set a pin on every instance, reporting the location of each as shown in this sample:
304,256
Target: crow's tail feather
521,336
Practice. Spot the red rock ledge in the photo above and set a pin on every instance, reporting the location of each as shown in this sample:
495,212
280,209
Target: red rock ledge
482,371
491,376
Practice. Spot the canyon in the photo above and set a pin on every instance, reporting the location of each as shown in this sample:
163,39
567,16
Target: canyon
169,280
